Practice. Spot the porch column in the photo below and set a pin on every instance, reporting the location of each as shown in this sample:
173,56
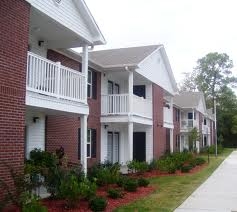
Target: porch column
171,140
83,120
130,141
85,68
193,117
130,92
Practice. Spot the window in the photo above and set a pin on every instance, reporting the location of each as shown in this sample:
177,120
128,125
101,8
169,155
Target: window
92,84
177,114
190,115
177,143
205,122
91,143
89,84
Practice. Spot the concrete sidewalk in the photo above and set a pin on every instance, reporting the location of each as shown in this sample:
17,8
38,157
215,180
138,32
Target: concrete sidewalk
218,193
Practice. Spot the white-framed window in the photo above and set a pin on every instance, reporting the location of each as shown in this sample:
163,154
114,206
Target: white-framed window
89,138
89,84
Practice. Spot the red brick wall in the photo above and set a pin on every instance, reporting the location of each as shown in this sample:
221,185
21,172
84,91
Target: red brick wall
159,132
63,130
176,131
14,27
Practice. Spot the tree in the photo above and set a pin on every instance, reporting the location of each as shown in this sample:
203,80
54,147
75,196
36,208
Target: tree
213,73
193,136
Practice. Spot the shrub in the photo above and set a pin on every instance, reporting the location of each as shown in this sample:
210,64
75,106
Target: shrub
167,165
153,165
186,168
142,182
138,167
212,149
98,204
114,193
33,204
199,161
130,185
104,174
121,180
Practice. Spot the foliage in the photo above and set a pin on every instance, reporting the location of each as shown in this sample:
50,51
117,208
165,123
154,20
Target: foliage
130,185
199,161
21,195
115,193
153,165
212,149
98,204
104,174
73,189
193,136
142,182
137,166
121,180
186,168
33,204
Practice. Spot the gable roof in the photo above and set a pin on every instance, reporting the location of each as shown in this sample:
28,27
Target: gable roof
188,99
122,57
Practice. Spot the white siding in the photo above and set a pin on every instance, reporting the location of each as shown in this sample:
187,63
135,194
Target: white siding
65,13
35,48
35,137
155,70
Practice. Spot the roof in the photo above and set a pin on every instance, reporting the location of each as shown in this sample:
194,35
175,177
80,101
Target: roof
122,57
188,99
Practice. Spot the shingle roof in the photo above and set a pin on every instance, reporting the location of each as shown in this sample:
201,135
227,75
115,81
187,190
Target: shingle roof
188,99
121,57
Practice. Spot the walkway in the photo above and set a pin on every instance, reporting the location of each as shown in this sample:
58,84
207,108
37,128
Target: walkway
218,193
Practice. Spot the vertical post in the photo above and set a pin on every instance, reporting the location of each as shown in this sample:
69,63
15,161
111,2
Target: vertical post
85,70
130,92
215,127
57,83
193,118
171,141
83,120
130,141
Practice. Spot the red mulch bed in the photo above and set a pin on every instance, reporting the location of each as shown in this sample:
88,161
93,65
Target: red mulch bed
83,206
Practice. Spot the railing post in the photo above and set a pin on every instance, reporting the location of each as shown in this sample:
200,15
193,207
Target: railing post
85,69
130,93
58,78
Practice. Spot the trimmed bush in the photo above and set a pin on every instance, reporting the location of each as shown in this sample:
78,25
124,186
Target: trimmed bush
199,161
98,204
142,182
138,167
186,168
121,180
114,193
212,149
130,185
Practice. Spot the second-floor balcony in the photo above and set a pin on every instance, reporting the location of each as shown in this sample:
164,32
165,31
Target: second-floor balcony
53,82
118,104
188,124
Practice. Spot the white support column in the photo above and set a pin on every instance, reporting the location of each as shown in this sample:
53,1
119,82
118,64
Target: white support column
193,118
83,120
130,92
58,79
85,68
171,140
130,141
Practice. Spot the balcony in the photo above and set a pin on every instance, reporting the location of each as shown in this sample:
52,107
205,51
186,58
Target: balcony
188,124
49,83
118,104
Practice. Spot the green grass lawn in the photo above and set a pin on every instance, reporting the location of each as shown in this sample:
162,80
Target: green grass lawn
171,191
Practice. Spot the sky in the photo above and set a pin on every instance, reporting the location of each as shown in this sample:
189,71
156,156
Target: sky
188,29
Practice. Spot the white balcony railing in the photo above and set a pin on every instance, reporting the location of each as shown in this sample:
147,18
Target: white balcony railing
118,104
142,106
188,124
52,79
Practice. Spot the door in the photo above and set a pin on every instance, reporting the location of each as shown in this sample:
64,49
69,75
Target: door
113,147
139,90
139,146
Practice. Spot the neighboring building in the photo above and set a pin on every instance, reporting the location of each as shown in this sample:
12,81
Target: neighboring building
193,114
35,83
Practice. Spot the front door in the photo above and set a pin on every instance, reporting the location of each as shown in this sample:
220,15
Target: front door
113,147
139,146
